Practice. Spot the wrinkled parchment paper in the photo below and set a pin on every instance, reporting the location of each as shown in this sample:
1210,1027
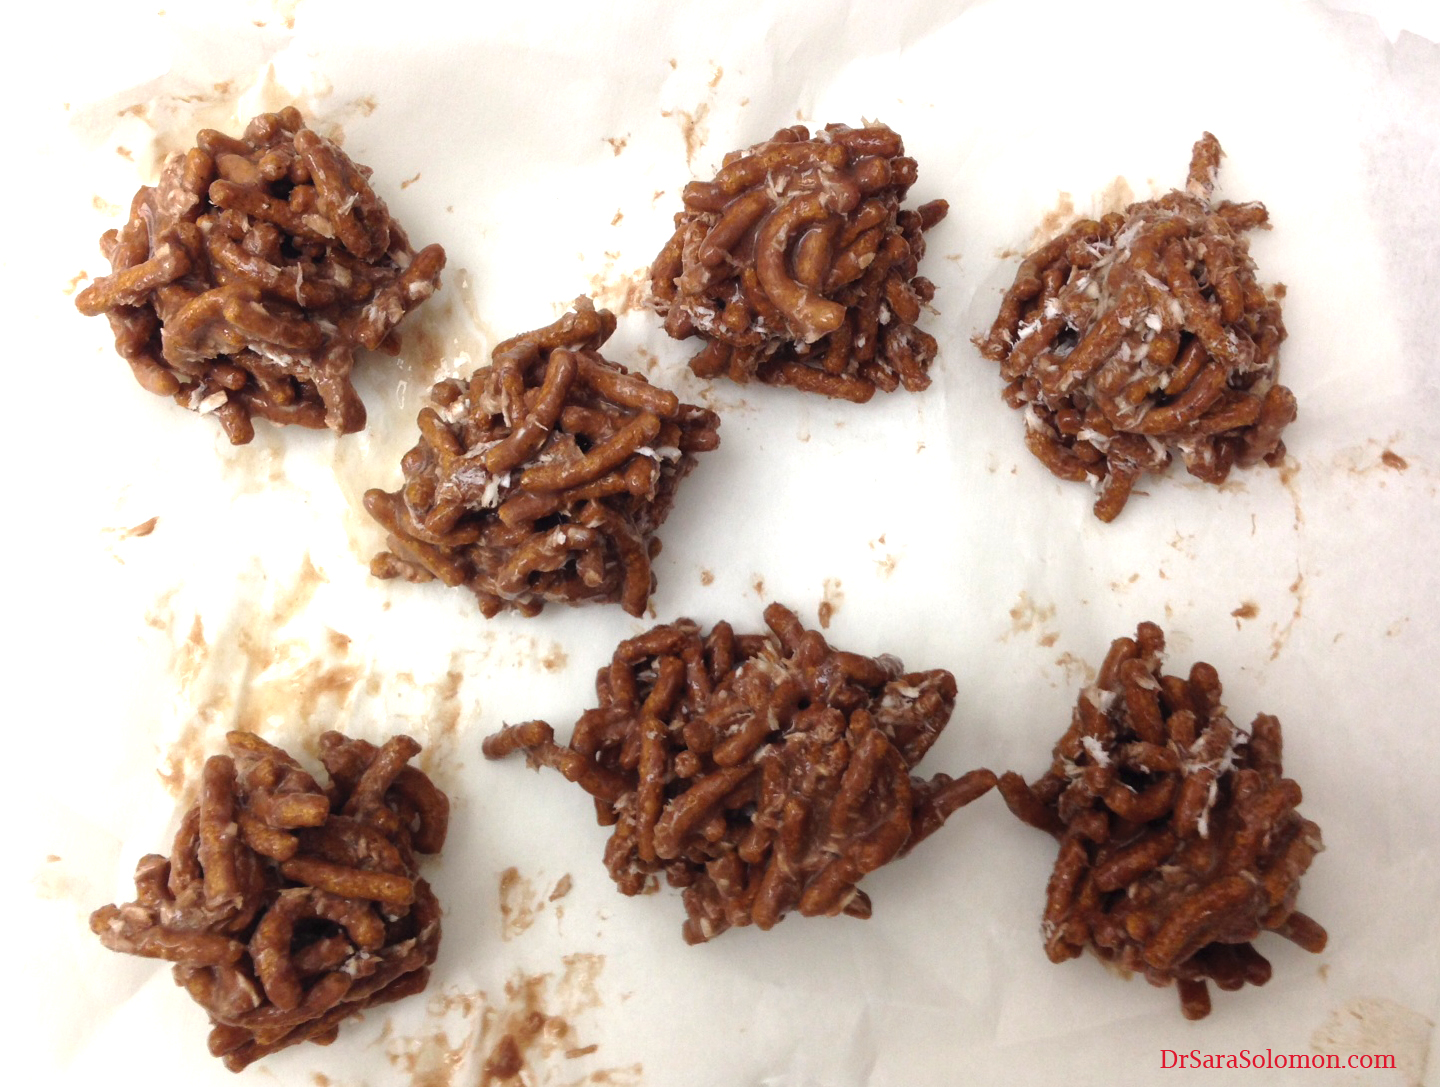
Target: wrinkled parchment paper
545,146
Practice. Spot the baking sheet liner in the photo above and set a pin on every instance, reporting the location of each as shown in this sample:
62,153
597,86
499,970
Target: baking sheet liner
168,587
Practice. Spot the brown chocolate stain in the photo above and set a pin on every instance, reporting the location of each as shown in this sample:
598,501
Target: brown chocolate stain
620,292
74,283
1122,586
104,207
1027,616
1114,197
520,1030
562,887
831,601
160,615
409,181
180,768
519,651
618,216
448,1000
1053,221
520,907
617,143
692,129
259,467
246,675
1289,470
440,341
291,601
1078,672
1375,456
115,535
1233,485
124,152
297,698
437,725
173,119
192,654
522,1041
1281,634
180,764
1183,544
707,577
1377,1025
433,1061
144,528
1248,610
759,586
53,882
886,564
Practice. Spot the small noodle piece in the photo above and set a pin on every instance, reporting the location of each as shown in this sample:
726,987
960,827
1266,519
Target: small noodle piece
280,935
763,775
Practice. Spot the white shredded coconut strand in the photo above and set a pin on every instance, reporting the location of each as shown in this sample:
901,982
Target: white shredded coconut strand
212,402
1096,751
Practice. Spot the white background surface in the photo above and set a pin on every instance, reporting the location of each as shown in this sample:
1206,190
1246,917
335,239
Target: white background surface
550,144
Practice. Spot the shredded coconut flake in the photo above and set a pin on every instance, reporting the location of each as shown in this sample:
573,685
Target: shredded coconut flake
1096,751
212,402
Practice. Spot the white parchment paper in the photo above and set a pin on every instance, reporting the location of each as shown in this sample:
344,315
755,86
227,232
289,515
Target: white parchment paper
545,146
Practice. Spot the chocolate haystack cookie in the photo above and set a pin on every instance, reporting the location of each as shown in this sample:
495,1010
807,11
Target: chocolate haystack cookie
1180,841
1145,333
798,265
761,773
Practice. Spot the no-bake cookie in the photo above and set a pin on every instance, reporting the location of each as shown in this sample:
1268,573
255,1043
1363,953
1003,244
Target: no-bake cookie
762,773
1145,334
